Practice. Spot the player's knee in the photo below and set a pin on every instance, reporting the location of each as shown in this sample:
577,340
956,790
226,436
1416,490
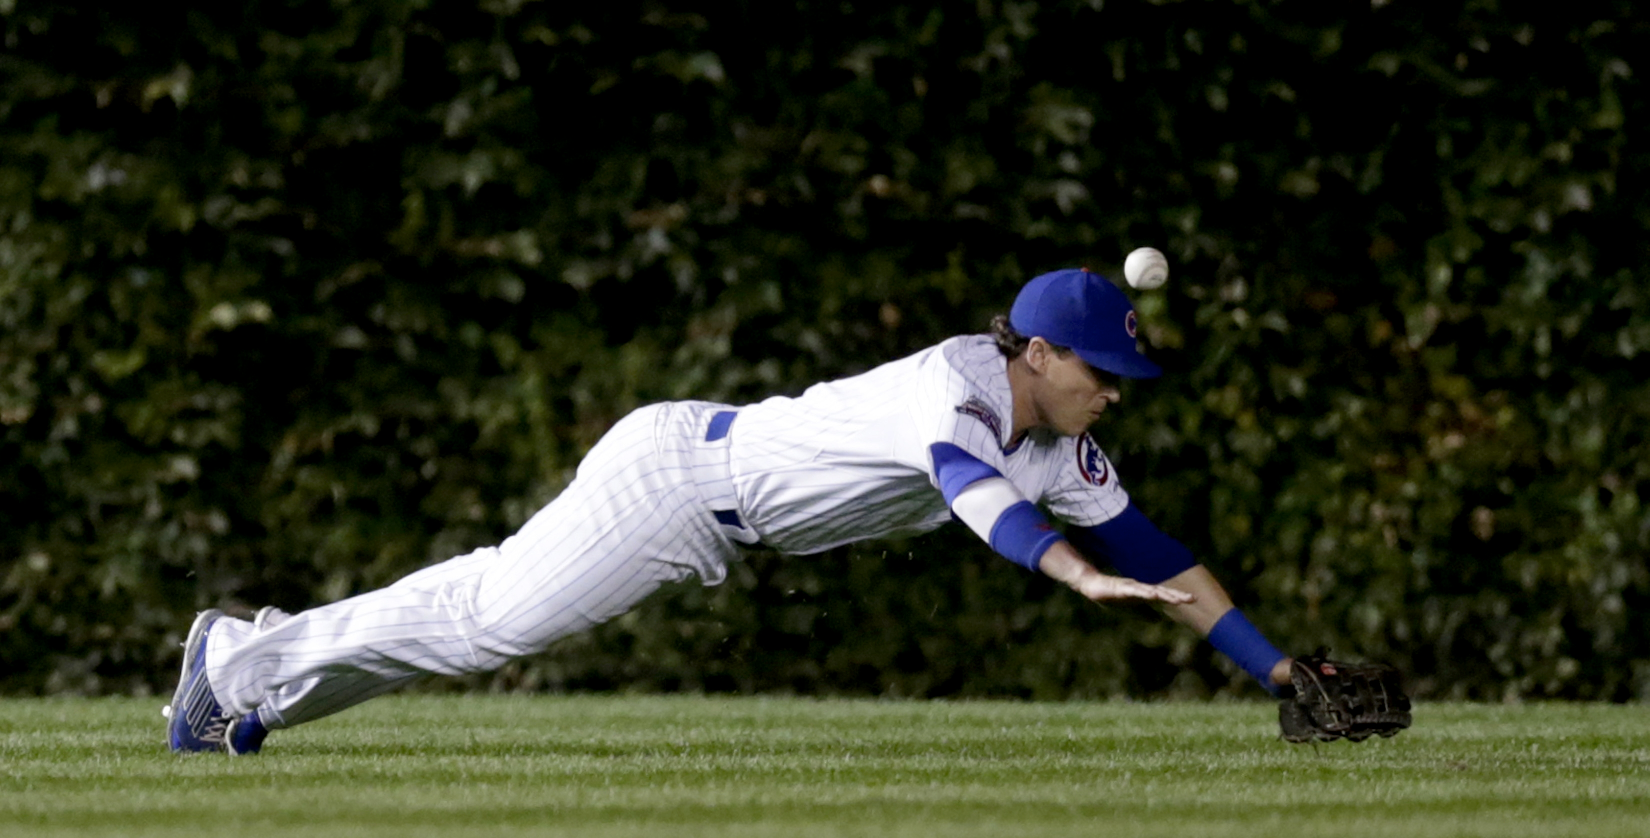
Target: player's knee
495,642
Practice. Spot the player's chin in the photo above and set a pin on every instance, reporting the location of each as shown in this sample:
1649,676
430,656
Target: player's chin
1078,426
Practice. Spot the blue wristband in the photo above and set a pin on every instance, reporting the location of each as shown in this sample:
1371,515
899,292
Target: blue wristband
1022,535
1238,639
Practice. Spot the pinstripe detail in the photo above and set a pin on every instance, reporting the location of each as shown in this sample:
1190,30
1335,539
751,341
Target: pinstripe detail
845,461
849,459
630,521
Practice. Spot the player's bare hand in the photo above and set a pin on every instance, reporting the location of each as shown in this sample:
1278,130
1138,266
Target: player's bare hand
1102,588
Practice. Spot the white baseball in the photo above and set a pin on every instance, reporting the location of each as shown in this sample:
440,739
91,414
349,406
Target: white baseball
1146,268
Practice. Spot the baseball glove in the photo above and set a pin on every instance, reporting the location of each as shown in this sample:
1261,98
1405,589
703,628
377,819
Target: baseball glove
1329,700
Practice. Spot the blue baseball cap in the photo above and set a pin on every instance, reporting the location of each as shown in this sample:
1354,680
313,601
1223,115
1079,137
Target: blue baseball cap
1085,313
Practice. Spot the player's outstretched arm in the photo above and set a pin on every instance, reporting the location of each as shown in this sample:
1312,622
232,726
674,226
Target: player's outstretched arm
1211,606
1212,600
1063,562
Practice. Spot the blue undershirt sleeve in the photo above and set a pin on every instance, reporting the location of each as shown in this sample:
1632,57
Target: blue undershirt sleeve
1135,546
955,469
1021,533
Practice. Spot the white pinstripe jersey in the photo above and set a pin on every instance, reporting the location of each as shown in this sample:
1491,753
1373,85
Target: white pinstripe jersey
849,460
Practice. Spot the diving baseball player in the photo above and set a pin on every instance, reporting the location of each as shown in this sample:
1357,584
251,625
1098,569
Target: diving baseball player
980,428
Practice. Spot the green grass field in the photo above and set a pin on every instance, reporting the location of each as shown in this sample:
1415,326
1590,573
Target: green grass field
425,765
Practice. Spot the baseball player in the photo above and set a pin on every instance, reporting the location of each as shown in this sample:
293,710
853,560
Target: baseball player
979,428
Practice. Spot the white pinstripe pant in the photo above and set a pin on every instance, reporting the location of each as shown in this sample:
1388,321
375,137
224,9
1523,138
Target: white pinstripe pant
639,513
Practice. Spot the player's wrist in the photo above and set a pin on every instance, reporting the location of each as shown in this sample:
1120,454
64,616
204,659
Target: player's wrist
1280,672
1061,563
1079,579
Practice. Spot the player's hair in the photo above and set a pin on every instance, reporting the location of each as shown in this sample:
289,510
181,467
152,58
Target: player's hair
1012,343
1009,342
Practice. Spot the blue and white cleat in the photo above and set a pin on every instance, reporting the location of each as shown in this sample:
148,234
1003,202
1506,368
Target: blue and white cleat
195,721
245,735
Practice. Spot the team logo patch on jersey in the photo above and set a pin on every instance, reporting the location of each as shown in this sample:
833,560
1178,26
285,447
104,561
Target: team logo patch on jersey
1130,323
977,408
1091,463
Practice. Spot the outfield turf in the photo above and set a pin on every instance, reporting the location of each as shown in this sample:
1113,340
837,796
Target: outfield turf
424,765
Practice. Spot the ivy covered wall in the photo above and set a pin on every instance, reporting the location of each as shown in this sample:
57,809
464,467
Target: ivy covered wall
296,297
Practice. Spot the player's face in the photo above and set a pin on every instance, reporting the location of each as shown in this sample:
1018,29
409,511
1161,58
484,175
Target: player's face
1074,394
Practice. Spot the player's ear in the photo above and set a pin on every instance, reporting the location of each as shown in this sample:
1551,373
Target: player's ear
1037,353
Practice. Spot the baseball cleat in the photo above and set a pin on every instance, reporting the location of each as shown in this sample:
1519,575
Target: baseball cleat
194,720
245,735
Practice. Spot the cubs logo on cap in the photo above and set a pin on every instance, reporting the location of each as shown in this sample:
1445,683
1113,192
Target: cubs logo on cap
1085,313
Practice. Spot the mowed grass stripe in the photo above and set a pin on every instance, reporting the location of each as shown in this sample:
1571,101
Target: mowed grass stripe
428,765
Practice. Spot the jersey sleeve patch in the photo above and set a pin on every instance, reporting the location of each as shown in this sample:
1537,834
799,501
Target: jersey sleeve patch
1085,487
1091,462
976,407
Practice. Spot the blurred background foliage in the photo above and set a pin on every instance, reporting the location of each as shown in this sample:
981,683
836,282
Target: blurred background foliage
297,296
